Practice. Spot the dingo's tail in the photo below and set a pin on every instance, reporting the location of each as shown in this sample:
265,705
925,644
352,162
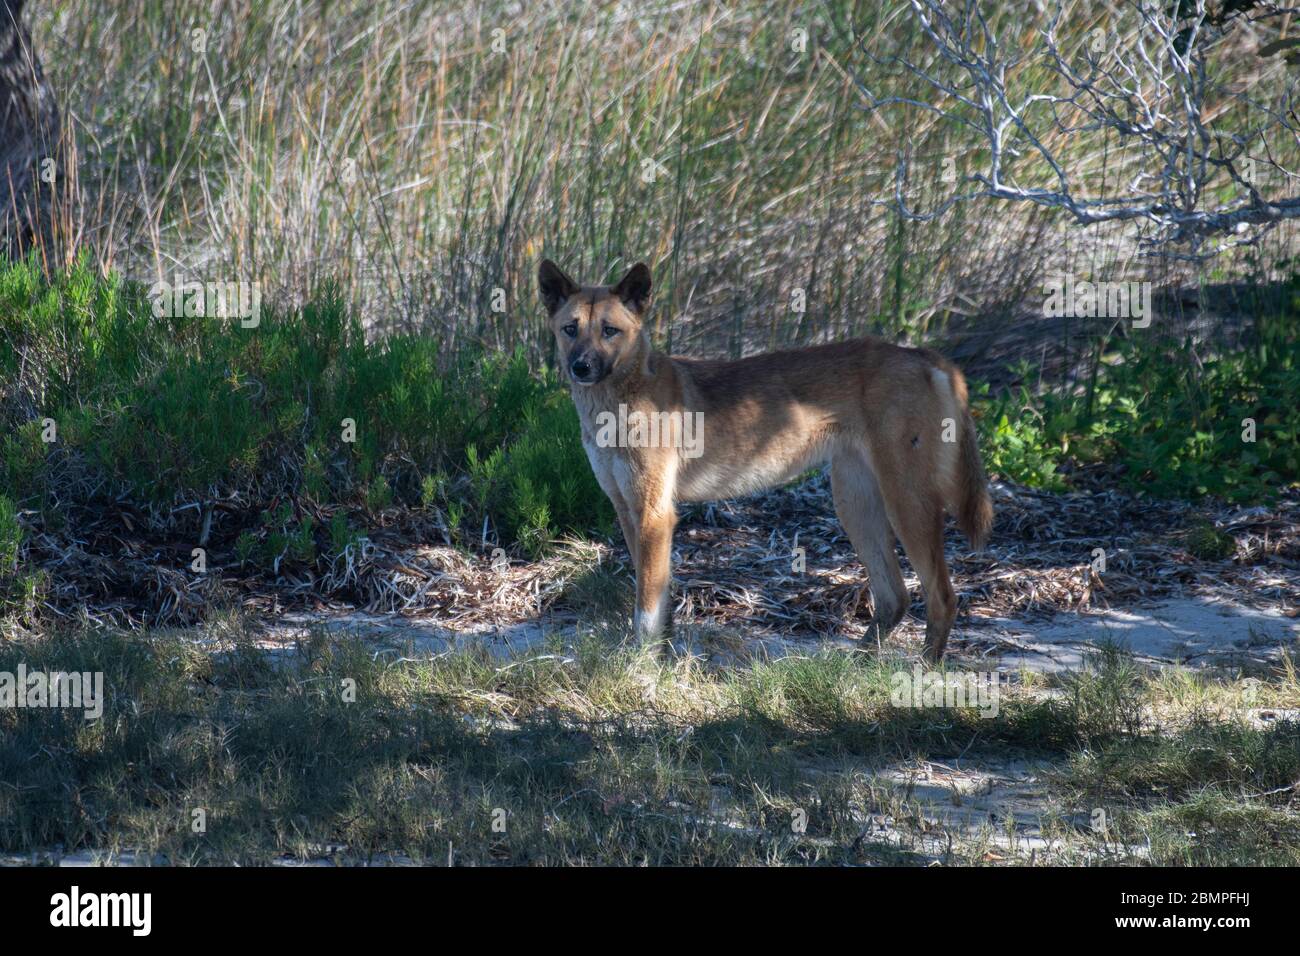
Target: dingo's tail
968,494
975,511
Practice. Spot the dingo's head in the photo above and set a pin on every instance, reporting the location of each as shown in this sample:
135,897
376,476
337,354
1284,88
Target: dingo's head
598,328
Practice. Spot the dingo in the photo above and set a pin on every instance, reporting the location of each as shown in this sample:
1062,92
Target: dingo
892,422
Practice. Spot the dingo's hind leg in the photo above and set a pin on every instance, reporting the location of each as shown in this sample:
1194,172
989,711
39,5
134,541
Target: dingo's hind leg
861,510
915,510
923,542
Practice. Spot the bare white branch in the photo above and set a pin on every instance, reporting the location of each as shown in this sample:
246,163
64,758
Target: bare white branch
1171,87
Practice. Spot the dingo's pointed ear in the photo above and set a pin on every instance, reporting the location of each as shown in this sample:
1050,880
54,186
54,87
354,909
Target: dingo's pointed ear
634,288
554,285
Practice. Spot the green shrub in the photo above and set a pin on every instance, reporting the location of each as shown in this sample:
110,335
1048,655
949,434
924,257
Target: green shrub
19,587
156,409
11,536
547,484
342,535
1014,442
1179,425
1209,543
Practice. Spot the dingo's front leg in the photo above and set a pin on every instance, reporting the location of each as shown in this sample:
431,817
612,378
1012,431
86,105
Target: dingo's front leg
653,573
601,466
627,522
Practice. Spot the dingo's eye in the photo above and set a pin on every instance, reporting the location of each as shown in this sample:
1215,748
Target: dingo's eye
609,331
571,329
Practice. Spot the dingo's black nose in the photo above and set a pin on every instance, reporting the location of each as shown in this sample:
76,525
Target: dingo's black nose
581,368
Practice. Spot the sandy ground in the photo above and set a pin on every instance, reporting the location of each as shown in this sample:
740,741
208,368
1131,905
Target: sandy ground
1190,631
